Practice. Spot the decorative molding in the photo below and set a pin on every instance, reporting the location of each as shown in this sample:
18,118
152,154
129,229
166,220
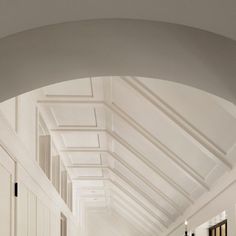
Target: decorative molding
139,156
98,146
142,193
205,144
120,205
73,125
92,166
131,196
133,206
173,157
156,169
137,213
146,181
179,163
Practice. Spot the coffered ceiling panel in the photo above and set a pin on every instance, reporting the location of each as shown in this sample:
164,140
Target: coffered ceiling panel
80,140
78,172
71,115
84,158
78,88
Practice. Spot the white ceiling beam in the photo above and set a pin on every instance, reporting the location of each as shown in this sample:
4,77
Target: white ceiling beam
131,196
173,157
138,155
146,181
142,219
178,162
155,168
127,193
193,174
148,217
120,197
138,175
142,193
205,144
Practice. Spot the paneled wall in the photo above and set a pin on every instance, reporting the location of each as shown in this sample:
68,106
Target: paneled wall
38,205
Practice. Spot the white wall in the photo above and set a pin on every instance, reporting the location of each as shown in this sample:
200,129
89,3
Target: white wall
38,205
201,231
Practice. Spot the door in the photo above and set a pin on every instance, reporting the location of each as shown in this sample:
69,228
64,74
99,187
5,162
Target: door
7,179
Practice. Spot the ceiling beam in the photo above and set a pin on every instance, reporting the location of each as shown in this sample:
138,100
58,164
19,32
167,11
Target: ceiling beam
147,216
127,193
142,219
213,154
141,157
134,172
205,144
131,196
177,161
173,157
146,181
119,197
130,184
142,193
155,168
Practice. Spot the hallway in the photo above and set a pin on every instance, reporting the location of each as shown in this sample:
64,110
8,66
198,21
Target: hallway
117,155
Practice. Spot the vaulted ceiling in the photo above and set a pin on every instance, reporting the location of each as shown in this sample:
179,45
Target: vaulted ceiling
210,15
145,148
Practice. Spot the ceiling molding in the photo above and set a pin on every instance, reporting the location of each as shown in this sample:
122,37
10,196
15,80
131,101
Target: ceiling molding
210,148
115,194
136,214
142,193
146,181
140,157
131,196
188,170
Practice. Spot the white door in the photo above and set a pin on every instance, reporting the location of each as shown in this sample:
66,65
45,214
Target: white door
7,179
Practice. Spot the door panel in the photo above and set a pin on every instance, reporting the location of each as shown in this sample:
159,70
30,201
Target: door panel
40,218
7,178
22,211
32,214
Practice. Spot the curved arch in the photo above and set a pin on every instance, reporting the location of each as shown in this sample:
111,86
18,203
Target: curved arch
55,53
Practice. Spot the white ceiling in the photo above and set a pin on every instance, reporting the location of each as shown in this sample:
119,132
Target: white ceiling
212,15
145,148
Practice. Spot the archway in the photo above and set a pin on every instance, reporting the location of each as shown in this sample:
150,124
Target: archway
55,53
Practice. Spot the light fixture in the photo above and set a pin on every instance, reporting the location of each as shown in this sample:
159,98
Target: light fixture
186,229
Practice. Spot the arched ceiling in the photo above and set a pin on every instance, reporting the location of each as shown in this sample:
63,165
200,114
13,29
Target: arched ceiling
47,55
211,15
144,148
